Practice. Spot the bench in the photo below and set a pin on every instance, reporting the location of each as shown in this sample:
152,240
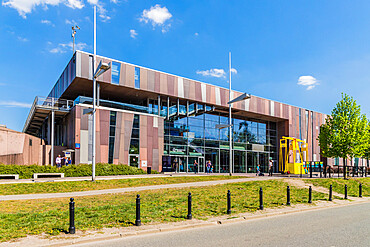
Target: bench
9,176
48,175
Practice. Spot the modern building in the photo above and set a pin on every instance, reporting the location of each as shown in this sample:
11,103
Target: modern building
147,118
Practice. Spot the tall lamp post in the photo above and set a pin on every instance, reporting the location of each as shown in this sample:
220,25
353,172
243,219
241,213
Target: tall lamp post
102,67
242,97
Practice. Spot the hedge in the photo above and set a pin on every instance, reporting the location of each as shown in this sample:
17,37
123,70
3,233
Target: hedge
81,170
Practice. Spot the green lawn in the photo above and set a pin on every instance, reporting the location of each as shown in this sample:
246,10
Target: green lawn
21,218
58,187
339,183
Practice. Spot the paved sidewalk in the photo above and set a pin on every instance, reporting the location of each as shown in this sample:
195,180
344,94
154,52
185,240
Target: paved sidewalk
127,189
69,179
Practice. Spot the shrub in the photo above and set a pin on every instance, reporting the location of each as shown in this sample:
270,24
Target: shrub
81,170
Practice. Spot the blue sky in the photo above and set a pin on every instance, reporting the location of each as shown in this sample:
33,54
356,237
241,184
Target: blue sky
304,53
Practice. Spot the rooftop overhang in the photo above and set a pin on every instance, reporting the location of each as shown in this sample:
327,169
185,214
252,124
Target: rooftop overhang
120,93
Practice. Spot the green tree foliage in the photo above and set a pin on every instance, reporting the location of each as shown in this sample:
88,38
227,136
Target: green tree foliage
346,131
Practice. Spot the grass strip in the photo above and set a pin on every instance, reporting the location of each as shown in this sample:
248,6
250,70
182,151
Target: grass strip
339,183
21,218
72,186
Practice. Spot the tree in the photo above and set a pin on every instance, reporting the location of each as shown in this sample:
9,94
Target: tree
345,133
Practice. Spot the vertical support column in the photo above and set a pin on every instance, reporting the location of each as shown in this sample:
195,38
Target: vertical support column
168,107
52,133
98,94
159,105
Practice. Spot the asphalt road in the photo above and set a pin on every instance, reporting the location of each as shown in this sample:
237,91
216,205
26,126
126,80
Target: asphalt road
340,226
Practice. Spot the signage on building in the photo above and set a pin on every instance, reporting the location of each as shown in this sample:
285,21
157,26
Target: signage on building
144,163
77,146
258,147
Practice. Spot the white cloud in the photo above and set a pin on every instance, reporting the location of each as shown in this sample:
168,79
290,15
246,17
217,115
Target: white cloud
196,34
158,16
93,2
215,72
25,7
100,10
64,47
114,1
75,4
212,72
133,33
15,104
47,22
308,81
71,22
103,13
22,39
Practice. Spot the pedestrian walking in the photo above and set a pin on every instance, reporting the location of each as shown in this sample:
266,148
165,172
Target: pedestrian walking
58,161
195,167
270,167
258,170
208,166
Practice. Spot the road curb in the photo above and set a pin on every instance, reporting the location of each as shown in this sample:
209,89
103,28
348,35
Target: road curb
201,224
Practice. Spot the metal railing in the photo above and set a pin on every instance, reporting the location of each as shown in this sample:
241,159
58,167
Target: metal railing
48,103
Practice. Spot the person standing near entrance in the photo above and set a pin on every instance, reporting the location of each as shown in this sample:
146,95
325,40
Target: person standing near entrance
58,161
195,166
270,167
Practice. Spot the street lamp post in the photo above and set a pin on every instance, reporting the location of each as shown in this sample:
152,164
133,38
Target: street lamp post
244,96
230,124
102,67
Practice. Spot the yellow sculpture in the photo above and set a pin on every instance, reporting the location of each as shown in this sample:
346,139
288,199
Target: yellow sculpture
291,156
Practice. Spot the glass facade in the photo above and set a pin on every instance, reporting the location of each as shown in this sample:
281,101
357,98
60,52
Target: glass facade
116,68
197,138
112,134
137,77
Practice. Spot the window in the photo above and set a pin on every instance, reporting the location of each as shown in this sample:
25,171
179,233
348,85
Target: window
135,135
116,68
137,77
112,132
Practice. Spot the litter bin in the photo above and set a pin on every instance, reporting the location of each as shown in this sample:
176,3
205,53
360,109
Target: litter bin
149,170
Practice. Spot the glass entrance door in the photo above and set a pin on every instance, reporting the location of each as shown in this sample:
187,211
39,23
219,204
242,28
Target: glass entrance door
191,164
201,164
134,160
178,163
239,161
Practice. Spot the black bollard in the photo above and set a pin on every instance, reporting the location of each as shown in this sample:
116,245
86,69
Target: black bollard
228,202
72,229
331,193
288,196
310,195
345,192
189,216
138,221
261,199
360,190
